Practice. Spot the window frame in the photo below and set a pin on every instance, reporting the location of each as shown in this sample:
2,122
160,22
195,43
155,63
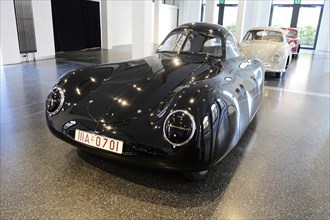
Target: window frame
233,41
188,34
295,16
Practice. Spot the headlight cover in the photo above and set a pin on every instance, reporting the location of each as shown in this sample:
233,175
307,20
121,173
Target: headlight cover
55,101
276,58
179,127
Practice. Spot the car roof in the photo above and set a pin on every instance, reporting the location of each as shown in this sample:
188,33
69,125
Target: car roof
268,29
290,28
203,27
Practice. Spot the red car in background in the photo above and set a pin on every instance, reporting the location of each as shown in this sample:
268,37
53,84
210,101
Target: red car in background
293,40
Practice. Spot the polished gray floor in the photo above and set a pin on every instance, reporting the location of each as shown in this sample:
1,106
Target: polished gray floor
279,170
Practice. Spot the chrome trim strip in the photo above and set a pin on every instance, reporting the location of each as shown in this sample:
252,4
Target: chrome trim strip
61,102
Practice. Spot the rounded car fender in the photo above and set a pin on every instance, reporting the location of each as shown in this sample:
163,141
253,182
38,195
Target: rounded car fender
218,128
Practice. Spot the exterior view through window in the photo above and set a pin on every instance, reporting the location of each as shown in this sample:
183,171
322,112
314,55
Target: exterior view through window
305,15
308,27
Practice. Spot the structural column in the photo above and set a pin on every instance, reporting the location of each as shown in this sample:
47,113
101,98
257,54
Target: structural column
9,48
240,21
211,11
142,24
105,17
156,21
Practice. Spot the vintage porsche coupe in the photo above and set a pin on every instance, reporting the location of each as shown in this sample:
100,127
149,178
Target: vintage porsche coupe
269,44
293,40
183,108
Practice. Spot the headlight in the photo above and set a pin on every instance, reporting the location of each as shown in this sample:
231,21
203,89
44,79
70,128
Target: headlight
55,101
276,58
179,127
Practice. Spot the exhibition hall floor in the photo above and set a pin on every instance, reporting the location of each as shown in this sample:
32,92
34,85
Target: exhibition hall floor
279,170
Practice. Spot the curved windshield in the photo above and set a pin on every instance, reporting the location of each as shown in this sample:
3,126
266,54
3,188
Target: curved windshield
264,35
192,42
174,42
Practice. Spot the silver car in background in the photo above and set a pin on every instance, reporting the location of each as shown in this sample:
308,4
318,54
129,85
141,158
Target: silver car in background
269,44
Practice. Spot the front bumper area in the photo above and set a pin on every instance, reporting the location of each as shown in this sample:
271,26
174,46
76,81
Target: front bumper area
183,159
274,68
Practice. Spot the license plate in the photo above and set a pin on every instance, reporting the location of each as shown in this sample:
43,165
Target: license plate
99,141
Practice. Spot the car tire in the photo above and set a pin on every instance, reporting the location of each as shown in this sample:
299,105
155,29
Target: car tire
196,176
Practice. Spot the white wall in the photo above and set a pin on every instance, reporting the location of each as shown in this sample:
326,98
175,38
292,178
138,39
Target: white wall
8,34
240,20
43,25
105,24
263,9
120,23
323,38
251,14
121,17
168,16
211,11
189,11
116,23
142,33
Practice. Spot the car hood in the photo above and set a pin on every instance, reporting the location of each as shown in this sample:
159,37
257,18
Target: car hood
134,88
260,49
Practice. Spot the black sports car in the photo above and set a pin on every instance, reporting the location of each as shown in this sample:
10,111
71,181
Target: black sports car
183,108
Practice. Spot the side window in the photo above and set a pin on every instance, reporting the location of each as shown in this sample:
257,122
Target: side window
214,42
187,46
213,46
232,50
173,43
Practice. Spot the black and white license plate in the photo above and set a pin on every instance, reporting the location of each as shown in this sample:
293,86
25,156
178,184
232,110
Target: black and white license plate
99,141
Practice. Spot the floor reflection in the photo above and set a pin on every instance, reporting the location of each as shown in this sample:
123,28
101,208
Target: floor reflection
279,170
305,74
